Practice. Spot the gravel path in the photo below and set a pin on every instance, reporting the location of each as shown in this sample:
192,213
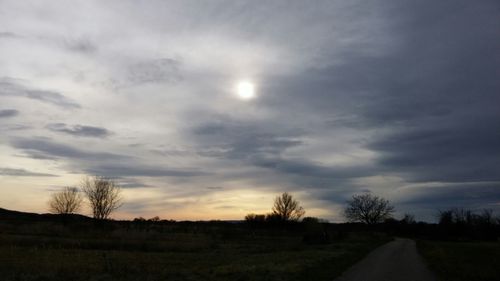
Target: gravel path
395,261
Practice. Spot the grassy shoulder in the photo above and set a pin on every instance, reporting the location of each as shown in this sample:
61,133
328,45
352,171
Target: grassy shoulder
194,252
471,261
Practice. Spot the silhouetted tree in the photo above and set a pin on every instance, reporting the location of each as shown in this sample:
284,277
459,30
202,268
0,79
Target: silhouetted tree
67,201
273,218
446,217
486,217
408,219
154,219
461,216
310,220
287,208
103,194
459,223
255,218
368,208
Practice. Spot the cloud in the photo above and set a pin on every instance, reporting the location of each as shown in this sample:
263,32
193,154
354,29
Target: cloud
22,173
232,139
433,106
98,163
11,87
81,45
8,35
428,200
466,153
155,71
140,170
215,187
42,148
350,97
79,130
131,183
6,113
16,127
306,168
264,146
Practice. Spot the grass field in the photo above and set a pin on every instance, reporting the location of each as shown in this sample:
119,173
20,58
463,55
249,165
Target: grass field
192,252
467,261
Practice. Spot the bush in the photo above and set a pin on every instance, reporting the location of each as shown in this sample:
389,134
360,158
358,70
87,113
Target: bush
315,232
255,218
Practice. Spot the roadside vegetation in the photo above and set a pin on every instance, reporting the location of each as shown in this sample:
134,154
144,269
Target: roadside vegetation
464,245
462,261
166,250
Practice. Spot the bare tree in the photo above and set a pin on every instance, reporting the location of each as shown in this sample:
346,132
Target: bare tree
255,218
463,216
368,208
67,201
409,219
486,217
446,217
103,194
287,208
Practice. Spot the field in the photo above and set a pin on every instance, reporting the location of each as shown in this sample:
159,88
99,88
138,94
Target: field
471,261
173,251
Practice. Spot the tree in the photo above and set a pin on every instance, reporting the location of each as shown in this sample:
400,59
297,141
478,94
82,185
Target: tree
368,208
103,194
486,217
446,217
287,208
409,219
67,201
255,218
461,216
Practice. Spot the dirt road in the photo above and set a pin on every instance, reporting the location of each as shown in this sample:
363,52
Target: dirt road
395,261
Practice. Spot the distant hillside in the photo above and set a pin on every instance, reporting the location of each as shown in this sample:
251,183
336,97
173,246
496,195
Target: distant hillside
16,215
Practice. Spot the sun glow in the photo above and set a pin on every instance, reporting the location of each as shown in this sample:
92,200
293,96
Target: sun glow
246,90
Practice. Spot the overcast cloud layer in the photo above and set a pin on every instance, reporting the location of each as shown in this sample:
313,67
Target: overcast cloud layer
398,98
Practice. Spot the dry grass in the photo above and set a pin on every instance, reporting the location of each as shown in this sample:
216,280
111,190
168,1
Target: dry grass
173,252
468,261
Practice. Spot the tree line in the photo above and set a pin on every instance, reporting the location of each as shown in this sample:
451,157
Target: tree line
366,208
103,196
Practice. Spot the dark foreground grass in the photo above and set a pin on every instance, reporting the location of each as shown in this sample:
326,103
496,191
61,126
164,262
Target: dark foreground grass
192,253
467,261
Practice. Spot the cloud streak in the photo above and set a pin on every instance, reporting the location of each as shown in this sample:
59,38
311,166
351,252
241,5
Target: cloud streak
79,130
132,170
41,147
7,113
11,172
11,87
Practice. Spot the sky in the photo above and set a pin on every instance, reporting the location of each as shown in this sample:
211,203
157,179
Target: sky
397,98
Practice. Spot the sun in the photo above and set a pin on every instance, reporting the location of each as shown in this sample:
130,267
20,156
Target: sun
246,90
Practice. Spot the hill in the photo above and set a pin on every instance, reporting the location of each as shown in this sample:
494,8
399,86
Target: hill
25,216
